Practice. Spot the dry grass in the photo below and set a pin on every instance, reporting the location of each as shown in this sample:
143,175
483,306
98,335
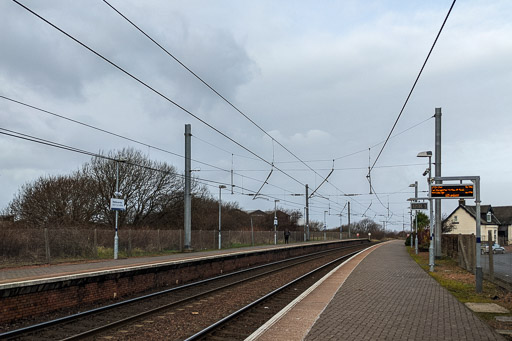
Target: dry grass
461,284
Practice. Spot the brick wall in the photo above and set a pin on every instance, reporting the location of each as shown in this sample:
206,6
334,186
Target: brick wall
28,301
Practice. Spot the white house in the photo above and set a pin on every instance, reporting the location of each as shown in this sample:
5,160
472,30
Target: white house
497,219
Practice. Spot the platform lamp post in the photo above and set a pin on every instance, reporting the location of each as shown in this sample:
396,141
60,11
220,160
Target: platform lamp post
428,172
275,221
117,195
415,185
220,212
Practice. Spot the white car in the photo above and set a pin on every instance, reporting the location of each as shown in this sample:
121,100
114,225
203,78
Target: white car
496,248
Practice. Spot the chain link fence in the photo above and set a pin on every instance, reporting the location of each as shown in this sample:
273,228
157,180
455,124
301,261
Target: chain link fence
54,245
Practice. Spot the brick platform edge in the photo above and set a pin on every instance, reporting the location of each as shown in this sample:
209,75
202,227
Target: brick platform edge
32,298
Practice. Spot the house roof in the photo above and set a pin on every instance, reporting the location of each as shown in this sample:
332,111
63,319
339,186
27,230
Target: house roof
256,213
501,215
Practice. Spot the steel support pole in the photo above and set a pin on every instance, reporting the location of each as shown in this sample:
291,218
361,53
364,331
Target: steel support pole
116,237
305,233
220,213
252,233
307,212
275,222
325,226
341,228
188,201
479,274
416,217
431,245
348,220
437,228
412,242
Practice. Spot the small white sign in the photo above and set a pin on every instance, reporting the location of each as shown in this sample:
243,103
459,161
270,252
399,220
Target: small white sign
275,221
117,204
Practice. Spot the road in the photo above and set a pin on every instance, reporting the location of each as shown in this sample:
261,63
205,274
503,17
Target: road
502,266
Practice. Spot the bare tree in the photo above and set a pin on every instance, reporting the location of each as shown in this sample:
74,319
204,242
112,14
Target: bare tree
446,226
148,187
55,201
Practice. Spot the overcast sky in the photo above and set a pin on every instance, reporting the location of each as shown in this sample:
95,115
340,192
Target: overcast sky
325,79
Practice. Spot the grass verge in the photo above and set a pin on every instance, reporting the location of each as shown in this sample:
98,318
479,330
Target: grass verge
461,284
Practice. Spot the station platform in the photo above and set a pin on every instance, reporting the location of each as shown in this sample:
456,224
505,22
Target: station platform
29,274
28,292
380,294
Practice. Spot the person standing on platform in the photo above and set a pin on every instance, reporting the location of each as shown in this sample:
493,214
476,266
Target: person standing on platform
286,236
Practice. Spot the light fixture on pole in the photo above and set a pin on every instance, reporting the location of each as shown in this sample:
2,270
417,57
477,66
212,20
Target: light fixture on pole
220,210
431,245
275,221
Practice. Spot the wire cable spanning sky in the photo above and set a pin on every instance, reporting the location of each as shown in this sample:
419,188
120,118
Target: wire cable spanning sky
324,82
176,104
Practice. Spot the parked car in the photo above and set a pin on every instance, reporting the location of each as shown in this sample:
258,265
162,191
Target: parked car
496,248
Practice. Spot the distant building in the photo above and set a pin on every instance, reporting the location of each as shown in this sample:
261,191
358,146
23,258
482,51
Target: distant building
256,213
497,219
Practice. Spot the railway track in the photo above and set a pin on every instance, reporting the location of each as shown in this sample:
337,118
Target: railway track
195,308
242,323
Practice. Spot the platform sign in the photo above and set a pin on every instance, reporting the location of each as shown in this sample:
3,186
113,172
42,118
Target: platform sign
117,204
452,191
419,206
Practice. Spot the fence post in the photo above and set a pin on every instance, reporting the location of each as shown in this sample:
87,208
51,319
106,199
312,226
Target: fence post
181,242
462,253
472,250
200,238
130,242
95,242
47,245
158,245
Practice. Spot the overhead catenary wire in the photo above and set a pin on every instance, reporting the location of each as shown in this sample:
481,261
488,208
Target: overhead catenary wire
329,169
182,108
153,90
224,150
365,149
199,180
215,168
215,91
49,143
414,84
119,136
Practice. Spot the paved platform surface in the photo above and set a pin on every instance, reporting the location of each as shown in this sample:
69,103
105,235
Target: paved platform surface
385,295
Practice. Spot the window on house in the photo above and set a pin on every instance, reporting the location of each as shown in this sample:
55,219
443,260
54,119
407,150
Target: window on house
455,218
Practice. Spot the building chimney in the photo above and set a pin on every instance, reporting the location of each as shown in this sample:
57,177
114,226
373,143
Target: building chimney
462,202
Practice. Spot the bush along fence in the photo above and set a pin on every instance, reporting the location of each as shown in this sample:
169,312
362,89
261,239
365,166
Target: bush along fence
52,245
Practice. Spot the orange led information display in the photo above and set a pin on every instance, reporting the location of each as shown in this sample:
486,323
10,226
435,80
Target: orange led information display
452,191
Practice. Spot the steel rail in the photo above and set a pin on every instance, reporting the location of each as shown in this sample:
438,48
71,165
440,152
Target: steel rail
70,318
215,325
118,323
